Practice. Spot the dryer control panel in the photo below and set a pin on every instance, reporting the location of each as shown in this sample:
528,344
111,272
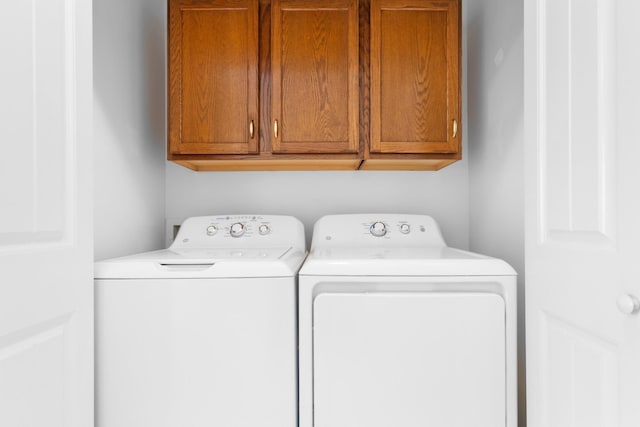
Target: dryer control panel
246,231
386,230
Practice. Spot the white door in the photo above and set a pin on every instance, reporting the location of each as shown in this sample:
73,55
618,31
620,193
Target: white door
583,212
46,308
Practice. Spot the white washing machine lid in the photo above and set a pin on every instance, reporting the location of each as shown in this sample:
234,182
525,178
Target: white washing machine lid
389,261
203,263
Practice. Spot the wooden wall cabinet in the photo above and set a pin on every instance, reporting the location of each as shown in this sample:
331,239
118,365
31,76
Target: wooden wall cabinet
213,77
313,84
415,84
314,74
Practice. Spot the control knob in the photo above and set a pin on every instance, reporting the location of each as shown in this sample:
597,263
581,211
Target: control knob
264,229
405,228
212,230
378,229
628,304
236,229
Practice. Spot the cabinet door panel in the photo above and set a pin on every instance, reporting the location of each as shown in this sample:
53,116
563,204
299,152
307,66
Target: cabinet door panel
315,76
213,77
415,76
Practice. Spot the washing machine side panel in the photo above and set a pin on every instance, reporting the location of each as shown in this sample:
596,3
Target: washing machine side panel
409,359
196,352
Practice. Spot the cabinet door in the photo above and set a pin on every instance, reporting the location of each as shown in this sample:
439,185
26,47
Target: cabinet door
415,75
213,76
314,62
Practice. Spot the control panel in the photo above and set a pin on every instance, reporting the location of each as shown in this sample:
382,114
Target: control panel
246,231
381,228
387,230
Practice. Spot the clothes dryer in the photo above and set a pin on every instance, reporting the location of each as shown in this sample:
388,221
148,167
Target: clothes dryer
204,332
398,329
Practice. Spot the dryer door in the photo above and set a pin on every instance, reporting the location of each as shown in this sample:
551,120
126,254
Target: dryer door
409,359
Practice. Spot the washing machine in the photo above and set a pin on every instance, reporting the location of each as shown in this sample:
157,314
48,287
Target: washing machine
204,332
398,329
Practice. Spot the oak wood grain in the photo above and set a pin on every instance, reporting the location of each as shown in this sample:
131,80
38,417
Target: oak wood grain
406,164
270,165
314,69
264,70
415,85
213,75
364,76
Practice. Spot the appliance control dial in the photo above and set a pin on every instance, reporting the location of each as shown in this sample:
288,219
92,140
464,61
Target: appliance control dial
212,230
378,229
264,229
236,229
405,228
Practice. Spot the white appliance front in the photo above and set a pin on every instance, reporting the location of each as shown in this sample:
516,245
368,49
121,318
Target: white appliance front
196,352
400,330
203,333
409,359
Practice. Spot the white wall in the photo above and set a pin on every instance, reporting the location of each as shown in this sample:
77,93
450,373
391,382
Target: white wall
495,108
129,93
310,195
477,201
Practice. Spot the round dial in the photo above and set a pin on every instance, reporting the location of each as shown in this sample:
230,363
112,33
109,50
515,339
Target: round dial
211,230
264,229
405,228
236,229
378,229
